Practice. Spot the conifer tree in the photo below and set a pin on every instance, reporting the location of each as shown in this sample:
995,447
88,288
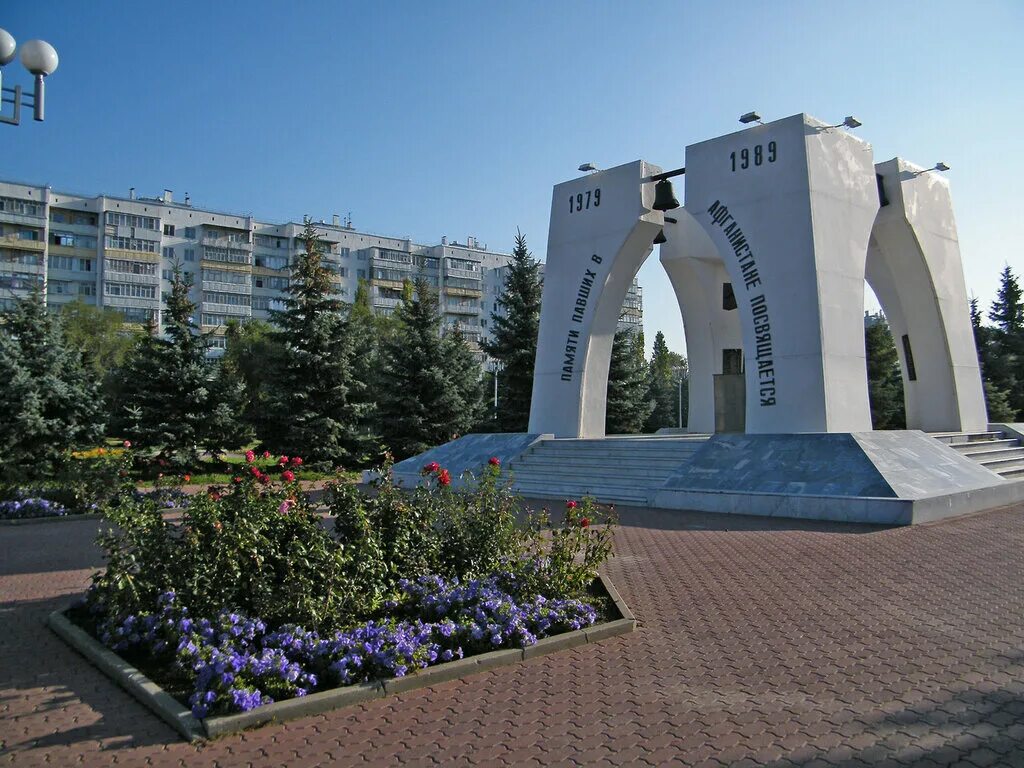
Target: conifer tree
628,404
661,387
50,402
514,338
172,401
311,408
885,381
424,399
1004,358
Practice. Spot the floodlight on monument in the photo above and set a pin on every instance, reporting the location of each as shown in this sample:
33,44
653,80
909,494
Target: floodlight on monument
589,167
750,117
848,122
39,58
941,167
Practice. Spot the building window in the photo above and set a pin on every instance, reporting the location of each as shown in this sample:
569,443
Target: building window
361,273
169,253
190,254
130,290
190,233
169,229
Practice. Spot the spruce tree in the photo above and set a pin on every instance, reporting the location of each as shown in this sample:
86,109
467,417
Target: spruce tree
514,338
253,354
50,402
661,387
310,408
172,403
628,405
1005,348
885,382
424,396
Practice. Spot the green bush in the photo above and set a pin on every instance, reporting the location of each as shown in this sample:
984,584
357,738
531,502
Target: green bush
260,547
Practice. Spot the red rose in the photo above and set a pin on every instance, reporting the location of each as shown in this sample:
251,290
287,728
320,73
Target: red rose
443,477
297,461
431,467
255,471
250,457
585,522
127,443
266,454
238,479
187,478
570,505
494,461
264,479
283,460
288,476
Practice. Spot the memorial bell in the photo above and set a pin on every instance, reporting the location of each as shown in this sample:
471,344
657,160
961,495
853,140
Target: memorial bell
664,196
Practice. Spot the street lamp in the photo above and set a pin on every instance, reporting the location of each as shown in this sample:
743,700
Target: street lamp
494,367
39,58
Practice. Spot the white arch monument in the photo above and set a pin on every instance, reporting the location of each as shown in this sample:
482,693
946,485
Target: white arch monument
782,225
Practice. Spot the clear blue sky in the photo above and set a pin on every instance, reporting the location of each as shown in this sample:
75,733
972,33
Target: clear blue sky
456,118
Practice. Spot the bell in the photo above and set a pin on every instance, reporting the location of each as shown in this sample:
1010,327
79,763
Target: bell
660,238
664,196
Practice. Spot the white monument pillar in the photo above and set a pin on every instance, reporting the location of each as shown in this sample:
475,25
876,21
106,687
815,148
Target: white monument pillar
914,267
602,228
789,206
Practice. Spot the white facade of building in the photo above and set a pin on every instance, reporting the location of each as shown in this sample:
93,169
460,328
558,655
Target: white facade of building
119,253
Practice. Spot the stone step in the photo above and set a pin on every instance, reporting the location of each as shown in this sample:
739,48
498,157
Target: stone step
1009,462
620,494
545,458
987,457
1013,474
954,438
988,446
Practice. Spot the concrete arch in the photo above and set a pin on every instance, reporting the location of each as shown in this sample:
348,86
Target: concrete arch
914,267
697,274
602,229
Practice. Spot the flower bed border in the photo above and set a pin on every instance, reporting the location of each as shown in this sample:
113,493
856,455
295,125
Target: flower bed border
180,718
52,518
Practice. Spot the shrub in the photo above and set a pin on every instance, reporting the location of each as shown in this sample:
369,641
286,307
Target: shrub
255,546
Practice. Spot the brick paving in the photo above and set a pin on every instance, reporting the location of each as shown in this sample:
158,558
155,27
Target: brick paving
760,644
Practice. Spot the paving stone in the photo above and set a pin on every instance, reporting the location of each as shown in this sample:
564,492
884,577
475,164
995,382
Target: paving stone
761,642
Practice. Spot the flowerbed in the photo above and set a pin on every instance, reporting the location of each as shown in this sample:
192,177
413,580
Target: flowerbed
30,508
249,599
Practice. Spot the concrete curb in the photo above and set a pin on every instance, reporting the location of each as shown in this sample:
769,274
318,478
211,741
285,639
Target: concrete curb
128,677
55,519
171,711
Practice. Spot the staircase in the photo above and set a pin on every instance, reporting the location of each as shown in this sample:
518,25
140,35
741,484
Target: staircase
624,470
993,450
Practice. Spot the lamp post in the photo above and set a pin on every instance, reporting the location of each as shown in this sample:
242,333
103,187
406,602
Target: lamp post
39,58
494,367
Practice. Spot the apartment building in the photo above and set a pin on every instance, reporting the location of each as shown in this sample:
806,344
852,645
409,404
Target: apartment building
119,253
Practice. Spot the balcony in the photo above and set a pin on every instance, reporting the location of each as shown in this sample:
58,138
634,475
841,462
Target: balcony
9,217
226,242
473,293
466,274
128,277
120,253
380,301
213,285
462,309
13,241
226,309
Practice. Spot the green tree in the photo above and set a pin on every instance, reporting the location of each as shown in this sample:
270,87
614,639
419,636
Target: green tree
50,401
253,354
173,402
311,408
515,322
1004,351
425,399
662,387
628,405
885,382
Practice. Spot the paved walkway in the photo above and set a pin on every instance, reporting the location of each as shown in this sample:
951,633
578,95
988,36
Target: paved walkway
758,646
